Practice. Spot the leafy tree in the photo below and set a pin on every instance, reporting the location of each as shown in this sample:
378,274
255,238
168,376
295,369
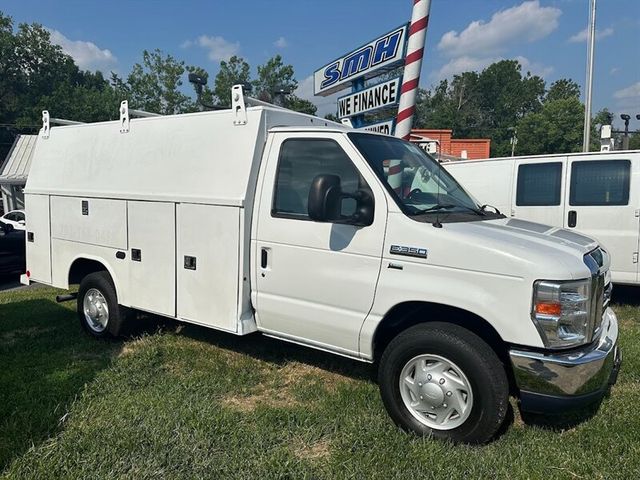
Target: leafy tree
563,88
272,76
36,75
557,127
154,85
301,105
231,73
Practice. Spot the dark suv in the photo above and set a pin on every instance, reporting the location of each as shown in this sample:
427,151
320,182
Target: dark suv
12,250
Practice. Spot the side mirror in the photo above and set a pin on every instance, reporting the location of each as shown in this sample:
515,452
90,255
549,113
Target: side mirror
7,227
325,202
325,198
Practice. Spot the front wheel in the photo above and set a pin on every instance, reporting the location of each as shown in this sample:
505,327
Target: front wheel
97,304
442,380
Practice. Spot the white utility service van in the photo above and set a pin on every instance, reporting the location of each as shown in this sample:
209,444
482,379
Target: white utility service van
597,194
263,219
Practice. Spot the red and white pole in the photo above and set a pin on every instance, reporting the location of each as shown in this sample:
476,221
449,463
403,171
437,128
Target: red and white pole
410,81
412,66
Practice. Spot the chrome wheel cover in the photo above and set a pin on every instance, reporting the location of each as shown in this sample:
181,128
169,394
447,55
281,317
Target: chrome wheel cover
96,310
436,392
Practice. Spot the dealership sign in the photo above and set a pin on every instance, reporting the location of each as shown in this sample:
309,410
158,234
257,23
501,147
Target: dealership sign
382,54
385,127
385,94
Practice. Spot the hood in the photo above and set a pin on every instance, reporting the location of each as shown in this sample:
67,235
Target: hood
525,231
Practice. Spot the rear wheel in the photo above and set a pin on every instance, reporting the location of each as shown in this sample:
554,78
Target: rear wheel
442,380
97,304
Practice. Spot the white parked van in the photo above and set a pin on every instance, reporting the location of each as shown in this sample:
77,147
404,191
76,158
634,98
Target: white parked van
262,219
597,194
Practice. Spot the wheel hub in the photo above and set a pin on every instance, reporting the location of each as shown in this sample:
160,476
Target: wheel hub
436,392
96,310
432,395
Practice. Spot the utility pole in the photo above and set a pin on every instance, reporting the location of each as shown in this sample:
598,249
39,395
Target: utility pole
514,140
589,81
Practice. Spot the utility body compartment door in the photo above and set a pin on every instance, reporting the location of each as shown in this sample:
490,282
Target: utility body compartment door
208,264
38,236
152,256
314,282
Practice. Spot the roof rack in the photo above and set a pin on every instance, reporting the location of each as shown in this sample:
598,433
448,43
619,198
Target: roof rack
47,121
238,105
126,113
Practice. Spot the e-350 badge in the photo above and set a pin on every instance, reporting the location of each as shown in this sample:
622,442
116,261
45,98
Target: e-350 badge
408,251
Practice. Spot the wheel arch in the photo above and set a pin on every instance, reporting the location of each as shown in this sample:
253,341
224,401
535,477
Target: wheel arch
83,265
410,313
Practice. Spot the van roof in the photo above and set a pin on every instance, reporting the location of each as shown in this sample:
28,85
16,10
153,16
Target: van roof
551,155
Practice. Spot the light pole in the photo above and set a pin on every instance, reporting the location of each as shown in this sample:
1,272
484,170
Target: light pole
589,83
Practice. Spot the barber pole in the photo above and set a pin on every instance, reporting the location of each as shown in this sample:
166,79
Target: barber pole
411,79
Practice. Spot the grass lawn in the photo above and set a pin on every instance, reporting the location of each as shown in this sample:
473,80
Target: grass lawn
187,402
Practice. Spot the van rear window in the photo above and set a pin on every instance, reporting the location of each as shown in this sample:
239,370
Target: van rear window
539,184
600,182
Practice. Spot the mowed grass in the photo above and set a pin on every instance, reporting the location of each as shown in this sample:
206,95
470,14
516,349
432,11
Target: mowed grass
187,402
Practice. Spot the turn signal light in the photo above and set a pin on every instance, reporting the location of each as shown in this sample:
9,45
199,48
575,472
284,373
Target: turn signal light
548,308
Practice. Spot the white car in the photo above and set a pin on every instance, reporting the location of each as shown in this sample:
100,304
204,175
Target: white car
15,218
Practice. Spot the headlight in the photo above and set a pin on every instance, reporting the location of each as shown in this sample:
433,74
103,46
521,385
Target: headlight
561,312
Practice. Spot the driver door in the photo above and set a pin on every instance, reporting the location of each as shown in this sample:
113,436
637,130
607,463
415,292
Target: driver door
315,281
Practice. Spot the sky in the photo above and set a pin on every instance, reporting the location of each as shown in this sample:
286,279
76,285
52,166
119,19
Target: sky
548,37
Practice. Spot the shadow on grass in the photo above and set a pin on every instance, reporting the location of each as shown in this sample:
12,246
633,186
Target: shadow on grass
626,295
46,359
561,421
258,346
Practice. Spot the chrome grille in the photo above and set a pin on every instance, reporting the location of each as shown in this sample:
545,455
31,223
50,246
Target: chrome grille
597,261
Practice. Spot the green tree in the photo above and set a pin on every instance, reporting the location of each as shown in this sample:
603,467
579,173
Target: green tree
232,72
36,75
293,102
563,88
154,85
274,75
556,128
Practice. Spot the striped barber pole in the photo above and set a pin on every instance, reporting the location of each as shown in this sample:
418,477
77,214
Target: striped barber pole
410,80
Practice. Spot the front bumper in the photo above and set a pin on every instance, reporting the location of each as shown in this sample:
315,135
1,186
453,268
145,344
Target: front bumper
551,382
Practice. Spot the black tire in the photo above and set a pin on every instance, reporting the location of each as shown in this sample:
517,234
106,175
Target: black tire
477,361
117,315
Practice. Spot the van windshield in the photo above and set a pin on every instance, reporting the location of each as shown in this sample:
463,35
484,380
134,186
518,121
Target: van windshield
414,179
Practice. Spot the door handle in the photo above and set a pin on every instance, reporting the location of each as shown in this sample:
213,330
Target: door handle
264,258
573,218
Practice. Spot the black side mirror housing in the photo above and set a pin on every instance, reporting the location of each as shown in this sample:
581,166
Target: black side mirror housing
325,202
325,198
7,227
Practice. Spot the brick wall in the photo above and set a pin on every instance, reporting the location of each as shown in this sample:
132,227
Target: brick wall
476,148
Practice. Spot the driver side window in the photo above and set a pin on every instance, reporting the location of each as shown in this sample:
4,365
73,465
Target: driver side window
300,161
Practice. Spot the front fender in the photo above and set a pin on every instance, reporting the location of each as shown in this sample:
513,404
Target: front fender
501,300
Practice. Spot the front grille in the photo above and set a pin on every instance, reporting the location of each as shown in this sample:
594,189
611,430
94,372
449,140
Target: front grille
598,304
596,260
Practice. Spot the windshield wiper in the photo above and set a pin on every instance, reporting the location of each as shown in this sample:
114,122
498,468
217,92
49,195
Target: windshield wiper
449,206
